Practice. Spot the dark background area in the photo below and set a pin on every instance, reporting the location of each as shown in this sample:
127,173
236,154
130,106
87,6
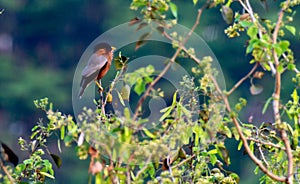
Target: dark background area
41,43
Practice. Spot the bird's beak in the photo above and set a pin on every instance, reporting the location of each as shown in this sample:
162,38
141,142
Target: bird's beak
113,48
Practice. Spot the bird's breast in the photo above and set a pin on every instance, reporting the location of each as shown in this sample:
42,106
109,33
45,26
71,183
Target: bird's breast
103,71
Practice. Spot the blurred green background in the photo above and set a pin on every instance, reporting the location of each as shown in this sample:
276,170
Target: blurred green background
41,43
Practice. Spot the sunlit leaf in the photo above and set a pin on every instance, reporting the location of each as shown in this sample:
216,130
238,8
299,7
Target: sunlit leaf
149,134
240,145
252,32
62,132
47,174
213,151
266,105
140,86
291,29
246,24
173,8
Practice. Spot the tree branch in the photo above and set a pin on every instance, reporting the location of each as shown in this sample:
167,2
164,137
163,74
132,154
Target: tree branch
172,60
244,139
6,172
276,97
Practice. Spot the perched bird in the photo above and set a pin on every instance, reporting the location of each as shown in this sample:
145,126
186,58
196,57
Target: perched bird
97,66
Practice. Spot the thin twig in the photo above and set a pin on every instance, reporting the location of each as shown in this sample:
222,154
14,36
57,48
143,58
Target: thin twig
172,60
117,77
184,161
145,167
242,80
244,139
10,178
266,143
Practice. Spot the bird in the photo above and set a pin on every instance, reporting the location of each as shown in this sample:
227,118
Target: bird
97,66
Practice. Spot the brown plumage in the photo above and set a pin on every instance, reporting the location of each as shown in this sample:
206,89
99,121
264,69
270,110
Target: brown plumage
97,66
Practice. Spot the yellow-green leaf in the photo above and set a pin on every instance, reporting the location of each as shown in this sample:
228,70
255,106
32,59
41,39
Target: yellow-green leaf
291,29
173,8
148,133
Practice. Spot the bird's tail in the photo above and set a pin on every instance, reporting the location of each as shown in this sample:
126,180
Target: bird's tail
81,91
82,88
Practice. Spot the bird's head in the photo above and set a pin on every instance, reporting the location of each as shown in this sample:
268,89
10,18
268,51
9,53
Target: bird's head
105,46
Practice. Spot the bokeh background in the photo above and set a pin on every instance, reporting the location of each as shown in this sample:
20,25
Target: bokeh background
41,43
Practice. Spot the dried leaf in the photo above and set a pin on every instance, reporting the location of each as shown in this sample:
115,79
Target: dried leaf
142,40
93,152
244,16
258,74
135,20
227,14
57,160
95,168
256,89
160,29
141,25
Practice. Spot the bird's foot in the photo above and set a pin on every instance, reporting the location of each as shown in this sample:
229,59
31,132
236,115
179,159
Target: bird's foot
100,88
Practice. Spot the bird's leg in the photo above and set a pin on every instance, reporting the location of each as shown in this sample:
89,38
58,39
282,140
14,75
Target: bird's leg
100,88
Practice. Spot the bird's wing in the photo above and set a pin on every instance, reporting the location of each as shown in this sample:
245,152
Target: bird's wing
95,63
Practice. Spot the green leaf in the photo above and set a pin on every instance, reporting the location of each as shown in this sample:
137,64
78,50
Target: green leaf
252,44
251,146
240,145
295,97
98,178
213,159
195,2
252,32
127,112
291,29
246,24
266,105
121,99
284,45
235,133
149,134
291,66
173,8
167,111
62,132
140,86
212,152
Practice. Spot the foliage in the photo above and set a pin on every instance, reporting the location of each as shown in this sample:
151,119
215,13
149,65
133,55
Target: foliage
124,149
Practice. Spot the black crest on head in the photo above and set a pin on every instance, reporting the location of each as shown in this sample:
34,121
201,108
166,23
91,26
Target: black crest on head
102,45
